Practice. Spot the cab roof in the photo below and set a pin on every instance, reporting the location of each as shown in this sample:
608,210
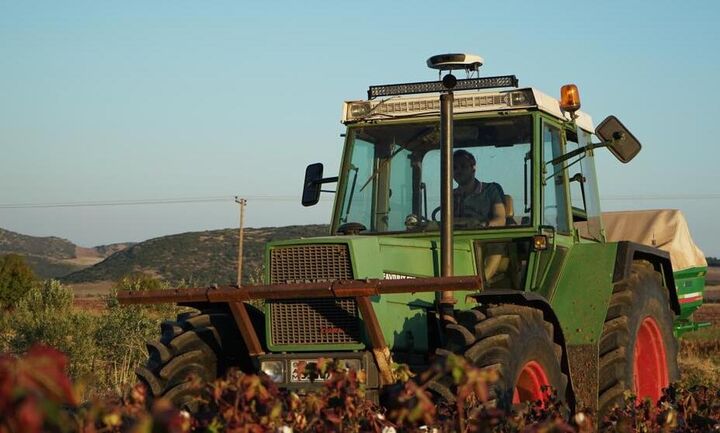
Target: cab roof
469,101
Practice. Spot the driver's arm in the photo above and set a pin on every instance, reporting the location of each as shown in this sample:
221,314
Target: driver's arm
498,206
498,218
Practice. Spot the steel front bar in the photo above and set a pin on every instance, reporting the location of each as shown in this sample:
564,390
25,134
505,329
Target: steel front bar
334,289
361,290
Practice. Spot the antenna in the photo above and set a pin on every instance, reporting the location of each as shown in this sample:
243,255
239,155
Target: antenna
470,63
450,62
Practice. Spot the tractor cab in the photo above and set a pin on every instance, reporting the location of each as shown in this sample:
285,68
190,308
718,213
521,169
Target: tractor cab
520,139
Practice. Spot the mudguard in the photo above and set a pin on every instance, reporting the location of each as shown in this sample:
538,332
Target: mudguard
628,251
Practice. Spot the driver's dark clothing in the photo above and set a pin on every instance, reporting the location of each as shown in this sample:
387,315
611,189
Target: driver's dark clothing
478,203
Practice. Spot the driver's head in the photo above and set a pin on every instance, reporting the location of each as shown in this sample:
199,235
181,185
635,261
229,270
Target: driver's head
463,167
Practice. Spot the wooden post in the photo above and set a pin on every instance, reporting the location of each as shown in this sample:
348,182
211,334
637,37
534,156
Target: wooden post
242,202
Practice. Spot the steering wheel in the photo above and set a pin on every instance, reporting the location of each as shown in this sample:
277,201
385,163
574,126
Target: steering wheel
434,214
351,228
413,221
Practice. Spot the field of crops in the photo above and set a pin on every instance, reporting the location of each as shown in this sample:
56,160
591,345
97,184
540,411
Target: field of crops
89,385
36,396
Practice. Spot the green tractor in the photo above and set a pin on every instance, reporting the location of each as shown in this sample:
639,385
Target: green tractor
513,266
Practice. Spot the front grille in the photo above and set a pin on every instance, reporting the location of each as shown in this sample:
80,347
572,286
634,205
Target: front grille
310,263
315,321
312,321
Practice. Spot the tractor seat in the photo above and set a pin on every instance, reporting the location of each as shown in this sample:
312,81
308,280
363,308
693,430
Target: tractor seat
509,210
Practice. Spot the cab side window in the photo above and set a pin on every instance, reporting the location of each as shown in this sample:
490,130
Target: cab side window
585,198
554,199
577,180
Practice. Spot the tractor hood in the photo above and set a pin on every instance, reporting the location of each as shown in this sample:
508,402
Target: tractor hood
292,324
360,257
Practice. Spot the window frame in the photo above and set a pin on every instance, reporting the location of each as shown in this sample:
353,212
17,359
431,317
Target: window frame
544,121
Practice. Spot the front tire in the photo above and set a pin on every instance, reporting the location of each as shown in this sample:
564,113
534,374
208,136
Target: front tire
203,344
514,340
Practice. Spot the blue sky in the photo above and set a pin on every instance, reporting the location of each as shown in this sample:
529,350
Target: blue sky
106,101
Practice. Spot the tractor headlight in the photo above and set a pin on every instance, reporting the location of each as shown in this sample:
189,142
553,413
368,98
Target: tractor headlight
274,369
358,109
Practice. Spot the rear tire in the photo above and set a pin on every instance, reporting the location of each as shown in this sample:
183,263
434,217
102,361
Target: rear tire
638,351
204,344
517,342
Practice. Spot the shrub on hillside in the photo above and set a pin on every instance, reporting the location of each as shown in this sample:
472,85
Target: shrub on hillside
140,281
122,331
16,278
45,315
120,339
103,348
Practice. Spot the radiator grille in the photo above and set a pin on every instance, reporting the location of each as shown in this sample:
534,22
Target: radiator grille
310,263
315,321
312,321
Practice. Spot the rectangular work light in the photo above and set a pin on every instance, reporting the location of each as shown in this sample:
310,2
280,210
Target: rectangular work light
425,105
437,86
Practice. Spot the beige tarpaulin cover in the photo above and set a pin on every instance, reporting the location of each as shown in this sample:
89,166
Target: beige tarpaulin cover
664,228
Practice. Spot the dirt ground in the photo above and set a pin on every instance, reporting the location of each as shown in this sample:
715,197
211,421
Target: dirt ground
712,294
713,276
709,312
91,296
92,290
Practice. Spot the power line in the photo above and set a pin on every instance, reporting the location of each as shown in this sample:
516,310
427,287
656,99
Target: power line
142,202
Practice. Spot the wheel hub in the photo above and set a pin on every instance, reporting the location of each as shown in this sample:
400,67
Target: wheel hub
530,383
650,362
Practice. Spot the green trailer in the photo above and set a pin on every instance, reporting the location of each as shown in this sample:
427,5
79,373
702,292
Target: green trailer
510,267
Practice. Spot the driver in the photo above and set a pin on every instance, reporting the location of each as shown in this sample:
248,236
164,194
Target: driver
475,203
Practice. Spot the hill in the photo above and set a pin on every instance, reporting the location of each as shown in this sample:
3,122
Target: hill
53,257
194,258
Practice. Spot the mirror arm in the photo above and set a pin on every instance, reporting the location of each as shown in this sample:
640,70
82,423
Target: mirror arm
580,151
326,180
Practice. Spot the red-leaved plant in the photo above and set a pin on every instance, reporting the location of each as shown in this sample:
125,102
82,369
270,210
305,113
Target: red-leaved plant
37,396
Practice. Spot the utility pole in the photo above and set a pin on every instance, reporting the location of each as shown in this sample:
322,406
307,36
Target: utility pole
242,202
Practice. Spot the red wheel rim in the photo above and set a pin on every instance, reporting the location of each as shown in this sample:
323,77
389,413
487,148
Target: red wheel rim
530,383
650,363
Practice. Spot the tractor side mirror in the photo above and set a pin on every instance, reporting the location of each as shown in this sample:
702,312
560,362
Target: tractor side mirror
313,183
619,140
311,187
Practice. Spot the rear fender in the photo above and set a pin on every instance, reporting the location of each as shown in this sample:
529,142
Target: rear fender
627,252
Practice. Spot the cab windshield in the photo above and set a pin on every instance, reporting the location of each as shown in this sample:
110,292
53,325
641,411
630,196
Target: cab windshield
392,181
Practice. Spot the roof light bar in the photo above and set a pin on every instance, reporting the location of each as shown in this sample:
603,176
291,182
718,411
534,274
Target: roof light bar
354,111
437,86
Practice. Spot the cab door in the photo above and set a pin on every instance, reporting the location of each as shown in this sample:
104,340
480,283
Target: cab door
555,217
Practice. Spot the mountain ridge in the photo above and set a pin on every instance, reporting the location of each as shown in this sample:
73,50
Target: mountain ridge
52,256
194,258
